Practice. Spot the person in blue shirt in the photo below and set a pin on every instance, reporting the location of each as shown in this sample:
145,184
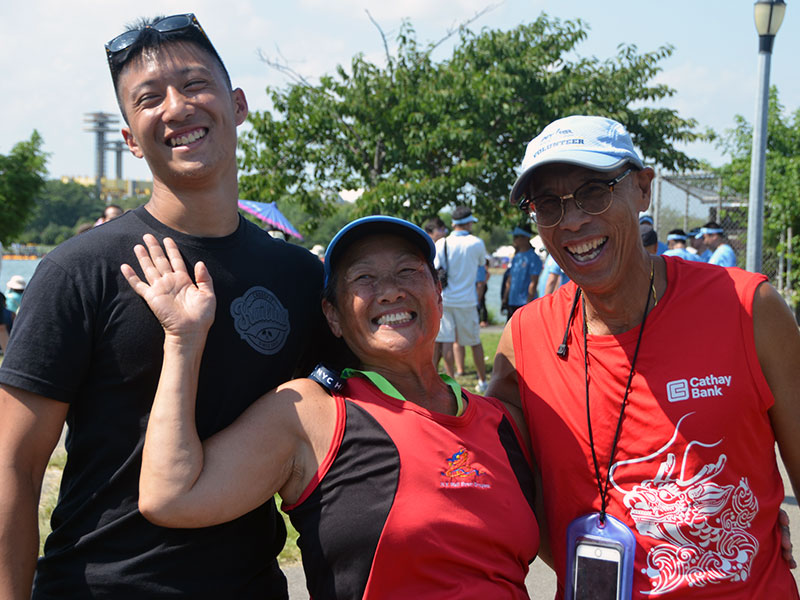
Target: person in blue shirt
6,322
676,244
650,241
552,277
481,285
645,225
523,274
14,290
714,237
695,239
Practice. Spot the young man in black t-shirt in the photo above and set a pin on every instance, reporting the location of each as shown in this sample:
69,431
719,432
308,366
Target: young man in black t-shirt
87,350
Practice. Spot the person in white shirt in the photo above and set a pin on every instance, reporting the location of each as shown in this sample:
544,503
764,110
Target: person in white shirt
460,254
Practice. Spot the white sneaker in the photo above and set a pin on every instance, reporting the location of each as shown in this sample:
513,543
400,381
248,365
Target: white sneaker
482,387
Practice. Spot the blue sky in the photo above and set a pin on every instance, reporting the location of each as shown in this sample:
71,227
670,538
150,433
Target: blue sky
54,69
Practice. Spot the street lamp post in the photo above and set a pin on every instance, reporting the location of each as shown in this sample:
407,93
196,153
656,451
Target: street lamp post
768,17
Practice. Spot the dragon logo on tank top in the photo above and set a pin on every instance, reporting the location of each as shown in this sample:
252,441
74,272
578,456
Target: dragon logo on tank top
261,320
460,471
701,527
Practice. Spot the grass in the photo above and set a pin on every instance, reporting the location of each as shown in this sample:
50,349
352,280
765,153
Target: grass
290,554
489,340
49,495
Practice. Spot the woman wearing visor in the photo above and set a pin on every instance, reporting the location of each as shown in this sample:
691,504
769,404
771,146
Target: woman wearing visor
400,483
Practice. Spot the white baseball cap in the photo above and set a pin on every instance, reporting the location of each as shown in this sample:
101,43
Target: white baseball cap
596,143
17,283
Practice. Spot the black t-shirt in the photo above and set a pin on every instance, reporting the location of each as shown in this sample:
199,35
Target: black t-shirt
84,337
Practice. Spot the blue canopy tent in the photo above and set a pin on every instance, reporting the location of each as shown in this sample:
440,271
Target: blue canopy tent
269,213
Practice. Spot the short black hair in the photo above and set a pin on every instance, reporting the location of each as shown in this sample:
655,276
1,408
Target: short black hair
462,212
649,238
152,38
433,224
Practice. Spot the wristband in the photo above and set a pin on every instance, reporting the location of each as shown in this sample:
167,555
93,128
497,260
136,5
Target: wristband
327,378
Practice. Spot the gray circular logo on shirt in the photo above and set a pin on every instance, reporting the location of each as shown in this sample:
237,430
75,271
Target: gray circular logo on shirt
261,320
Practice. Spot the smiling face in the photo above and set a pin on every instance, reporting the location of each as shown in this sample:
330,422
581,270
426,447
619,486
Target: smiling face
595,251
181,113
388,305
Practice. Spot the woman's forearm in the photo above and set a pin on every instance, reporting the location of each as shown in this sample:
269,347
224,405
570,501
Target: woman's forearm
173,453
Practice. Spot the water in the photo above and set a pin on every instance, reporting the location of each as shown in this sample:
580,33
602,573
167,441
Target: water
9,268
493,296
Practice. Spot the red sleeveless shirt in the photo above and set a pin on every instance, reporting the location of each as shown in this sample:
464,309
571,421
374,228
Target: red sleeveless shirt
411,503
695,474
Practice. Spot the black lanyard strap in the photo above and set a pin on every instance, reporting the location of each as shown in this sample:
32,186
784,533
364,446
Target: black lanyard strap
603,488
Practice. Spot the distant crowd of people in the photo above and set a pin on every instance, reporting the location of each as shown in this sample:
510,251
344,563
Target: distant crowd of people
9,305
703,244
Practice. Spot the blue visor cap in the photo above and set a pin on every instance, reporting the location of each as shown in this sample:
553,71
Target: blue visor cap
375,225
710,231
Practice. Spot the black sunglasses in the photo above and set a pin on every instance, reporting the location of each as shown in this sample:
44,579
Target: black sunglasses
170,24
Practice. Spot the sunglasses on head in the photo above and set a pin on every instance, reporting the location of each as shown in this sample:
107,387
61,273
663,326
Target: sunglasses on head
170,24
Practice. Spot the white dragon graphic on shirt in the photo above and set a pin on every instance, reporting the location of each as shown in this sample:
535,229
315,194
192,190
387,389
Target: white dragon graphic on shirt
701,525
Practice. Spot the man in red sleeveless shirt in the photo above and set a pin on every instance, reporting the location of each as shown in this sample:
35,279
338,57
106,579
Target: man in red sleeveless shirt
678,449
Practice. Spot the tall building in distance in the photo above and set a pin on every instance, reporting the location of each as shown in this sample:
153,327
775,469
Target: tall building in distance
100,123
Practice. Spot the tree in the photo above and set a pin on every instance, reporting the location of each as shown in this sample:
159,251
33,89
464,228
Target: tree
418,135
59,208
782,176
22,175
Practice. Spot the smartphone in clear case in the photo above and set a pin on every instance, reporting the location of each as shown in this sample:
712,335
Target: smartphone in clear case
597,571
600,555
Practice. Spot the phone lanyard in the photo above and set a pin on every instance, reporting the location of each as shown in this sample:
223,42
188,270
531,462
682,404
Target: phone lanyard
387,388
603,489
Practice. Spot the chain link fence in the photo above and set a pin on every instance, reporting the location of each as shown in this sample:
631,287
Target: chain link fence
687,201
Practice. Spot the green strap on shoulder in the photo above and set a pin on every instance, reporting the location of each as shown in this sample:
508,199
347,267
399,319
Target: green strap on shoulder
387,388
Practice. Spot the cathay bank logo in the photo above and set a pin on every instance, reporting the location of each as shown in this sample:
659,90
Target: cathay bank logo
678,390
697,387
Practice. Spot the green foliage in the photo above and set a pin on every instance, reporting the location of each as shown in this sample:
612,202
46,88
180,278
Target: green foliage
782,176
671,218
317,232
417,135
59,208
127,203
22,175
